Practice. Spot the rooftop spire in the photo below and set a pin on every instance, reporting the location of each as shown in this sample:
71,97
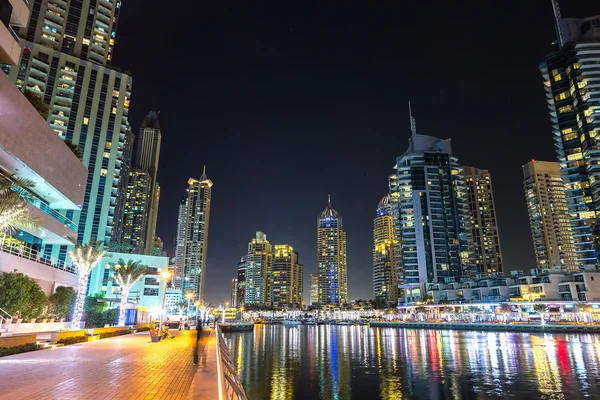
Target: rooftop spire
203,177
557,16
413,122
329,200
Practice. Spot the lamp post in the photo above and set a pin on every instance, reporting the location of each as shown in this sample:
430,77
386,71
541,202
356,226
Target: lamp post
165,275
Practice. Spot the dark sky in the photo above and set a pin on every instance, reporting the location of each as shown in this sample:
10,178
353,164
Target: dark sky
286,102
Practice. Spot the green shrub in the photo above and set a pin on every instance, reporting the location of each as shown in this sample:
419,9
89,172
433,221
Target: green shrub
143,329
105,335
73,340
18,349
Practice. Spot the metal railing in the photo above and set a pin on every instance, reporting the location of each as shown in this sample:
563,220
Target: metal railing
4,316
21,250
230,386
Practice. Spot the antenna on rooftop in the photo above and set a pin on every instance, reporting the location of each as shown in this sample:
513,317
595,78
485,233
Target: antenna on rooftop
557,16
413,122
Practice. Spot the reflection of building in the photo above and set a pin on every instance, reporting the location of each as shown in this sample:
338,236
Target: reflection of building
66,65
241,282
258,266
315,284
147,292
285,279
26,141
484,225
385,279
180,243
432,224
331,256
548,216
197,218
570,80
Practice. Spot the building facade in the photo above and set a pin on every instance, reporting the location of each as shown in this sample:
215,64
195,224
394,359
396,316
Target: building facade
197,219
385,264
571,81
258,267
315,285
331,257
147,155
179,250
285,279
234,293
432,217
484,223
66,50
135,215
241,282
549,218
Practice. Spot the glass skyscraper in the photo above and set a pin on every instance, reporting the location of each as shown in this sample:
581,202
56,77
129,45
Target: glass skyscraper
572,82
385,265
331,257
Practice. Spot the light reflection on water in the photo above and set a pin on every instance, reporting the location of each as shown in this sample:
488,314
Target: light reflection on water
358,362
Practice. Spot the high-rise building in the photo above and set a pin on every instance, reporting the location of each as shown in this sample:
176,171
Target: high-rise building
241,282
483,221
135,216
385,265
331,256
431,215
258,267
553,241
147,154
234,293
15,13
65,53
157,249
180,244
285,279
197,217
570,80
315,292
119,218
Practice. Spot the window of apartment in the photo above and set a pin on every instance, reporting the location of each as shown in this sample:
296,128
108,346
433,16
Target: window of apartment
103,172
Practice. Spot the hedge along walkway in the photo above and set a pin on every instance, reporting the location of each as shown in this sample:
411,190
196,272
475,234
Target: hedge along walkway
124,367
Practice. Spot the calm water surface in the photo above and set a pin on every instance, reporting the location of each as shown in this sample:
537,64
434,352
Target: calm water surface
358,362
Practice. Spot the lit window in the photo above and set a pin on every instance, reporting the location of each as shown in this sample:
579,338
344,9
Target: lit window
108,145
557,78
86,41
562,96
115,93
86,120
103,172
565,109
106,154
114,110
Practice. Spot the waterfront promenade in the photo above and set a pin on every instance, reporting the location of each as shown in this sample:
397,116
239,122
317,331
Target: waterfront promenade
125,367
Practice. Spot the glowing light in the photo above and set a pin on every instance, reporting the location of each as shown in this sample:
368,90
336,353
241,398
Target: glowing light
85,257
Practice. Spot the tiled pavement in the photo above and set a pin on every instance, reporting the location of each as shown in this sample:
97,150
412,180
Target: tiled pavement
125,367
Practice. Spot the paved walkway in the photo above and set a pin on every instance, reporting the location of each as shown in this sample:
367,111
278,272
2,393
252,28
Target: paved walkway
125,367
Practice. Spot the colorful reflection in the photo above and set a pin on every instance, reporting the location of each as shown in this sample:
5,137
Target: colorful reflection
357,362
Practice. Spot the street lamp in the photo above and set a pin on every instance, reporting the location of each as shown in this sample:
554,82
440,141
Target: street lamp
165,275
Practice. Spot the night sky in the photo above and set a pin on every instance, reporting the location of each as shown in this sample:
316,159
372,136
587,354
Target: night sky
286,102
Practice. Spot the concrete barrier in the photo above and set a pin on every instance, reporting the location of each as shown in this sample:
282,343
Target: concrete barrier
98,331
20,340
61,335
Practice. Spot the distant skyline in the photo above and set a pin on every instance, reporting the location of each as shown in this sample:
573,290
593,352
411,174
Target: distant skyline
286,103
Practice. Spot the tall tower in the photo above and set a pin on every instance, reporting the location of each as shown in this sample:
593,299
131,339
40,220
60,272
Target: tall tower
66,50
432,218
196,235
285,280
385,279
548,216
135,218
315,289
241,282
570,76
484,225
258,267
147,154
331,256
180,243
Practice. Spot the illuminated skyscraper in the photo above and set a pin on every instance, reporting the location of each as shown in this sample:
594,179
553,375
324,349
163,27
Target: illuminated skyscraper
66,50
197,219
484,225
285,279
431,216
234,293
315,292
135,218
385,279
147,154
571,82
258,267
548,216
241,282
331,256
180,243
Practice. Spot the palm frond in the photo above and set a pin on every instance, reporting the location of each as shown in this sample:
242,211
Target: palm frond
126,274
86,256
14,215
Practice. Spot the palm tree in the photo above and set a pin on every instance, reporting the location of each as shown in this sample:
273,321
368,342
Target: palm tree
14,215
126,275
540,308
181,305
85,257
